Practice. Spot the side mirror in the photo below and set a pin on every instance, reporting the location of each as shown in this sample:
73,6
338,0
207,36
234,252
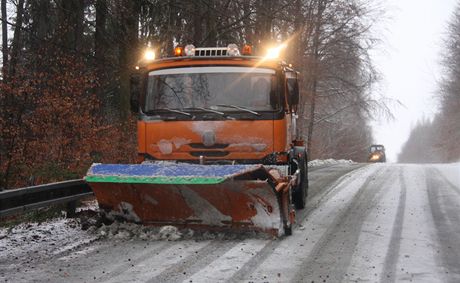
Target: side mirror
293,91
135,91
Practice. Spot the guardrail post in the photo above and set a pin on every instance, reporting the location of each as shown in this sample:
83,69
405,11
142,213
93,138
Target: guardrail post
71,209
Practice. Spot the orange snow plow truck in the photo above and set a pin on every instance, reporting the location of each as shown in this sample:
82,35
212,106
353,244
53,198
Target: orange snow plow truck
217,144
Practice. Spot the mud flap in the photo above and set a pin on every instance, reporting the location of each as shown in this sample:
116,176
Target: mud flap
235,197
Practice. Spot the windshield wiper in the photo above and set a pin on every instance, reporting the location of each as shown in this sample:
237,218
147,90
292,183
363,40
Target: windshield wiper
212,111
239,108
175,111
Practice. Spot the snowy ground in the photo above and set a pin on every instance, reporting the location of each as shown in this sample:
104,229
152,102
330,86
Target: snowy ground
322,162
374,223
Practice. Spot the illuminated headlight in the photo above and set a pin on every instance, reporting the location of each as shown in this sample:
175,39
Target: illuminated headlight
275,52
189,50
375,157
232,50
149,55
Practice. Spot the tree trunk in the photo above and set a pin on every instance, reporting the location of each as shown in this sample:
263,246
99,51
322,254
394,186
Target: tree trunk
299,20
248,28
312,118
211,25
4,38
197,27
315,75
128,51
264,22
101,46
70,27
16,45
40,26
100,40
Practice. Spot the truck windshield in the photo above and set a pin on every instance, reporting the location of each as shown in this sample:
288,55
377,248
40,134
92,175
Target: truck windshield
211,87
376,148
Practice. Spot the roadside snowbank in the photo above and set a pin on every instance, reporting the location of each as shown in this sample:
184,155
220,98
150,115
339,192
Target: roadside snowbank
132,231
29,241
451,171
128,231
322,162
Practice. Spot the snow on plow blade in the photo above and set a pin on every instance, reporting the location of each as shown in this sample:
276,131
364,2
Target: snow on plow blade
235,197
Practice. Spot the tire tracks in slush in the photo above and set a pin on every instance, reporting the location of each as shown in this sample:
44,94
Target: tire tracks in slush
229,263
193,263
180,257
391,259
331,256
284,258
446,215
320,196
314,201
328,178
124,267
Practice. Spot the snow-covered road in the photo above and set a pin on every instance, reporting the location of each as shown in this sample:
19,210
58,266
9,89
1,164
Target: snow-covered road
373,223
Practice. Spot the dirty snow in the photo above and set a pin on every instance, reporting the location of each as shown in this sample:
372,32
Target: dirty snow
178,142
165,146
32,242
88,205
126,211
200,127
323,162
129,231
256,146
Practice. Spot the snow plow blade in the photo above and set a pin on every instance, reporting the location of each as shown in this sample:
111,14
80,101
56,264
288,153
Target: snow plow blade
220,197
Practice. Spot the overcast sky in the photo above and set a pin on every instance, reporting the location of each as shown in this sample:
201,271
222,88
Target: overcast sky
409,60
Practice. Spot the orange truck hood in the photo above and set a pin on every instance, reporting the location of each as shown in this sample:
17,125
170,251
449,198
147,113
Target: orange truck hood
187,140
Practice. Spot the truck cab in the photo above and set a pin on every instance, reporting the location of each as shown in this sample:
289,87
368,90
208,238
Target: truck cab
219,106
376,153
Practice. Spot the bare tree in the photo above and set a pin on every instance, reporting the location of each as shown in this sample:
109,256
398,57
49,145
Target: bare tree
16,44
4,36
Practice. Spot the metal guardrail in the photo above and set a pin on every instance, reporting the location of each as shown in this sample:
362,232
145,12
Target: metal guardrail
29,198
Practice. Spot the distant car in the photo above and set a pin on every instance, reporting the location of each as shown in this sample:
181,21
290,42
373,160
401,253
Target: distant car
376,153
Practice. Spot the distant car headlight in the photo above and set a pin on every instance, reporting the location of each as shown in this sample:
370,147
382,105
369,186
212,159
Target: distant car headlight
375,157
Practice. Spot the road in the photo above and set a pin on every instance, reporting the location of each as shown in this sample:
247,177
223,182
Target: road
362,223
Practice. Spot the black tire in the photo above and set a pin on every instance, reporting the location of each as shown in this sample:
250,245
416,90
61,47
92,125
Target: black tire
300,192
288,230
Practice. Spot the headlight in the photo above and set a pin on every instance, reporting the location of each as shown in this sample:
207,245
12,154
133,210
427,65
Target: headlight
149,55
375,157
275,52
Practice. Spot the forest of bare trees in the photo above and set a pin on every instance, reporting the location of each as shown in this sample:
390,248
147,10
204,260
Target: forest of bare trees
66,66
437,140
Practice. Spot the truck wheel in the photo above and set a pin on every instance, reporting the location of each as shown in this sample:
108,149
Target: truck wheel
288,230
299,193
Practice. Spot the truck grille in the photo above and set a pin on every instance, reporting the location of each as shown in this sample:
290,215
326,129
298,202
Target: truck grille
209,153
215,146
